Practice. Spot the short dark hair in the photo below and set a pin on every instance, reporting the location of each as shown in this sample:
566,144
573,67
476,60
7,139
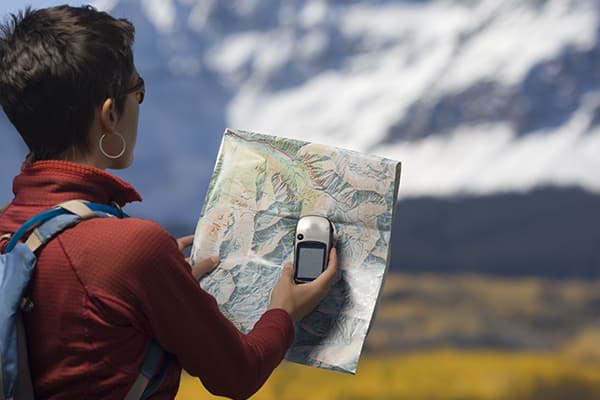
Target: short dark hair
57,65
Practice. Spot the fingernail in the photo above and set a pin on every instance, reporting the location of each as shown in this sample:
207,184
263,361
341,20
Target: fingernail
215,260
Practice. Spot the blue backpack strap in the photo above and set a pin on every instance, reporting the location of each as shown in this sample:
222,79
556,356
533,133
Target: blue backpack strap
18,262
69,213
152,374
14,278
51,222
161,375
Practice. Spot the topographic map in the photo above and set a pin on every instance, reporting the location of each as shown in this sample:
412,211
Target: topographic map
260,187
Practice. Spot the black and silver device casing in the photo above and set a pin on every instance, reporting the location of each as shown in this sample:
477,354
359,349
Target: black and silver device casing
315,236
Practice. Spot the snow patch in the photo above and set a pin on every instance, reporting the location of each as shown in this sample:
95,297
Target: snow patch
313,14
506,42
487,159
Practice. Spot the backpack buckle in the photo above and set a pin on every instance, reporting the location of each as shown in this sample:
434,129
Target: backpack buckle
118,207
6,237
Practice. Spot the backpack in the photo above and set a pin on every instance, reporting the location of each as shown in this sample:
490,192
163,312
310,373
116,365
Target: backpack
16,267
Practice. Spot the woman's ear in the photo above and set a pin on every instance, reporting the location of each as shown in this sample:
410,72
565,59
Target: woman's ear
108,116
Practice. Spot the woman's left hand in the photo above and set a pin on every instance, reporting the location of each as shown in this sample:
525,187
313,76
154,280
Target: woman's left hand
202,267
205,266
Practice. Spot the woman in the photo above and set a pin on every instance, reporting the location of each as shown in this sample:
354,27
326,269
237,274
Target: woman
107,287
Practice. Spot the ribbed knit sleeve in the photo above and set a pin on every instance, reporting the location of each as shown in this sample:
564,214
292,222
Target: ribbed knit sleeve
154,284
106,287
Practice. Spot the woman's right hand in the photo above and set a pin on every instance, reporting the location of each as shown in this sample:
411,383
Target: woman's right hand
300,299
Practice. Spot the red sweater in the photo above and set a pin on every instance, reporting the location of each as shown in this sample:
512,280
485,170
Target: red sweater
107,286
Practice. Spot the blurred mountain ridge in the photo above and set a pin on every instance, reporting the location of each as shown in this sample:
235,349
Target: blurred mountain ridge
483,101
455,89
476,97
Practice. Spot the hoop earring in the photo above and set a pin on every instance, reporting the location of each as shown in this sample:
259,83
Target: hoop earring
105,154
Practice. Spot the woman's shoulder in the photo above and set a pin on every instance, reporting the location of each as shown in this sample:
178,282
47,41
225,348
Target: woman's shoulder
142,237
133,230
127,250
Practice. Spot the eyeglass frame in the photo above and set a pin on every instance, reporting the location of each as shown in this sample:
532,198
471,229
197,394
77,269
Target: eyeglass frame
139,89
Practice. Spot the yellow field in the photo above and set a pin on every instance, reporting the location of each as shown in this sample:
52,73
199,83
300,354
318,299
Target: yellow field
435,375
440,314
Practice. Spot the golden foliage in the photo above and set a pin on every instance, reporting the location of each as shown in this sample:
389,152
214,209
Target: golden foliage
433,375
549,332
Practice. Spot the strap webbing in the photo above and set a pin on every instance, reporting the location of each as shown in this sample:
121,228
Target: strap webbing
138,387
34,242
56,211
159,378
78,208
150,366
47,230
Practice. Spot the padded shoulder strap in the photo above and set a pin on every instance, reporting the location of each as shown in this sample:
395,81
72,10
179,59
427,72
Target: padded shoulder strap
79,208
50,223
46,231
53,221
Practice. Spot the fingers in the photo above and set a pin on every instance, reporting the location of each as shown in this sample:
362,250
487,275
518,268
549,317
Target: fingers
185,242
300,299
288,272
319,288
205,266
333,261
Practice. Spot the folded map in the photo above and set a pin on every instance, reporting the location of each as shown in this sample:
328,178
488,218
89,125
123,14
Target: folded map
260,187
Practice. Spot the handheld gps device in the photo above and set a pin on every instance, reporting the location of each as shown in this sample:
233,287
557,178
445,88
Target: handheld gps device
315,236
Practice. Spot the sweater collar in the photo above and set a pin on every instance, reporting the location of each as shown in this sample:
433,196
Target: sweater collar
47,183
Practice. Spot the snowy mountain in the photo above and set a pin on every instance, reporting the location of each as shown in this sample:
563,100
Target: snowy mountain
475,97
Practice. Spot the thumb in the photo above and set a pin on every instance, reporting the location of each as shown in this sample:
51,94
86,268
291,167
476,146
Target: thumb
288,272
